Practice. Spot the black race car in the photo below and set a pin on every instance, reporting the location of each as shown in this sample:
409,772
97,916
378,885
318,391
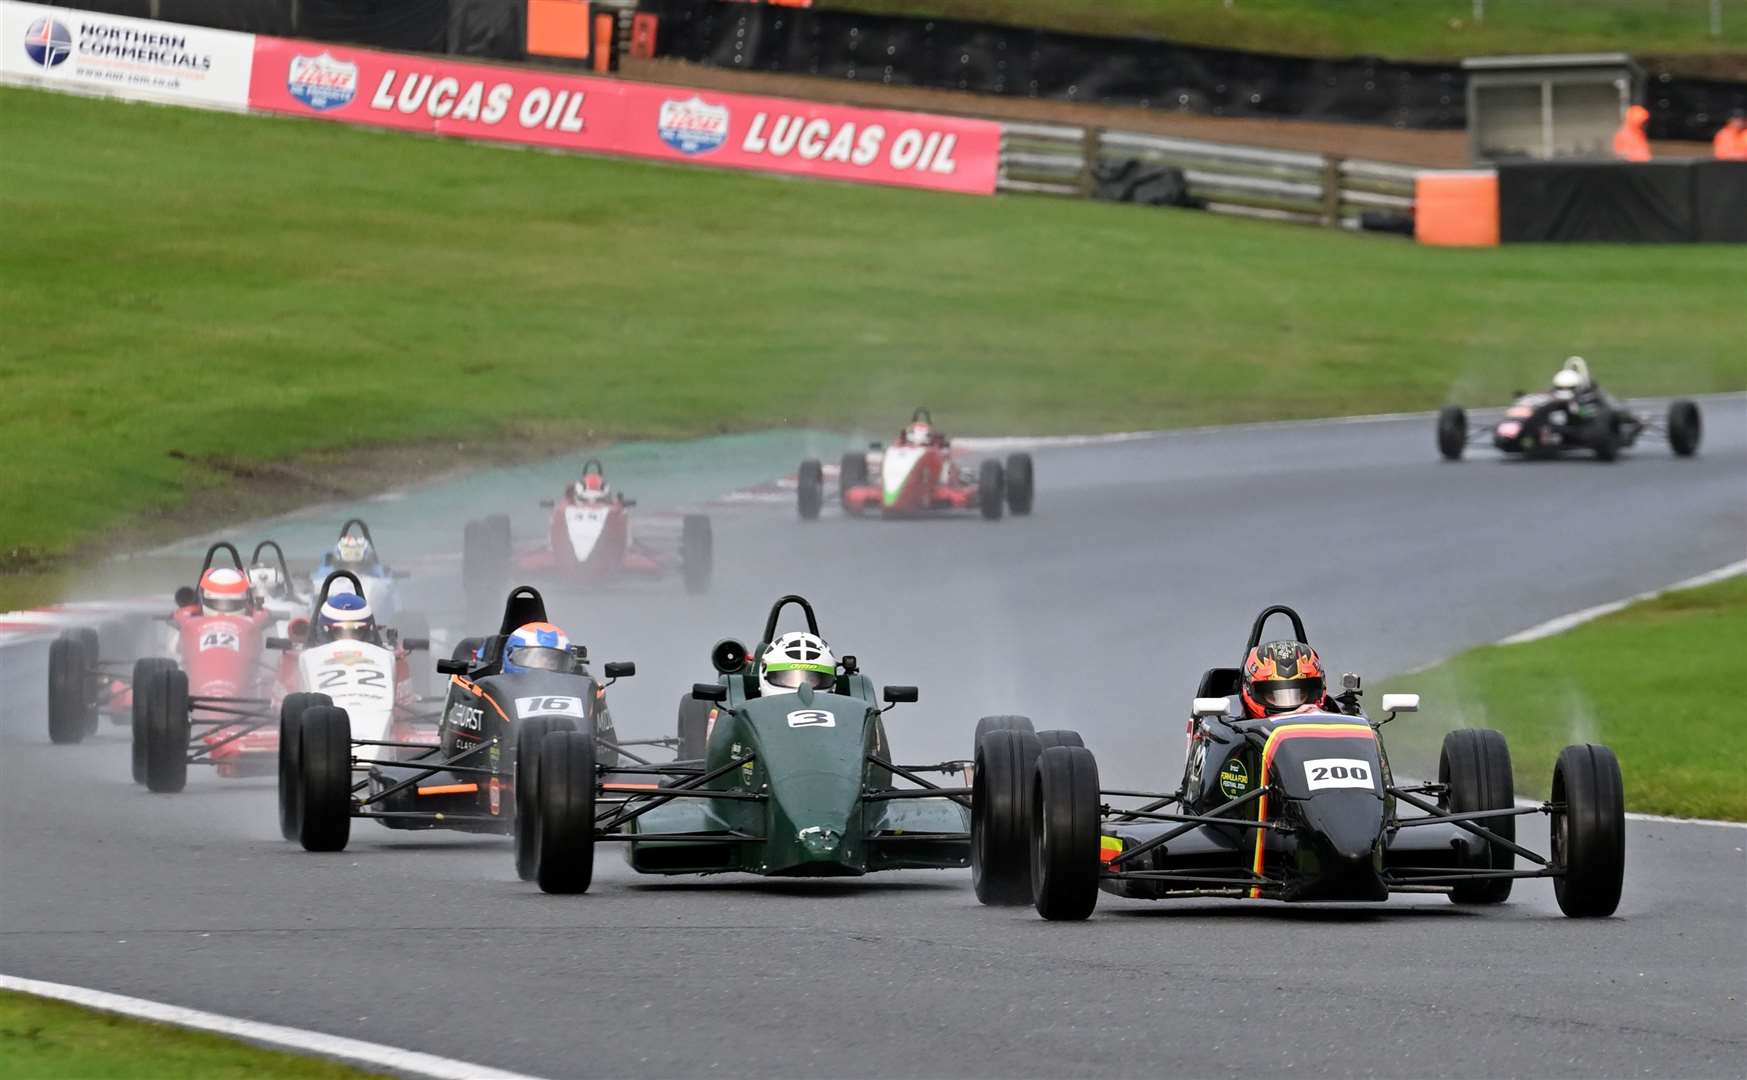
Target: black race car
465,782
1548,425
1299,806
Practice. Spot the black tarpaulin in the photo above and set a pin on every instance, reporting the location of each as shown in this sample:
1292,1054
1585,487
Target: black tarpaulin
1611,202
412,25
494,28
1719,201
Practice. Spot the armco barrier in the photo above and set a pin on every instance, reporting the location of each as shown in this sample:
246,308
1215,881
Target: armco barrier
613,116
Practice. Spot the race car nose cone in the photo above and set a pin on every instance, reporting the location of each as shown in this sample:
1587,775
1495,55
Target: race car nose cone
819,840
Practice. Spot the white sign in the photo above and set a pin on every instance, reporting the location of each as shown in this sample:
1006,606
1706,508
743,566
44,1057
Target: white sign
1339,772
70,49
549,706
811,718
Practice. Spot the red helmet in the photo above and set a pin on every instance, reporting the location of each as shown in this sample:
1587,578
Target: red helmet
1280,676
224,592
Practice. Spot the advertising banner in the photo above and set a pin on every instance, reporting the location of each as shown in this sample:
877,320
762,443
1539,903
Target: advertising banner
613,116
60,48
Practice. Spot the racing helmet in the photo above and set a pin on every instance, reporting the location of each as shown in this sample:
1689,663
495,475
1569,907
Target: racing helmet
352,550
224,591
268,583
1573,376
919,433
1280,676
346,617
537,646
592,488
796,660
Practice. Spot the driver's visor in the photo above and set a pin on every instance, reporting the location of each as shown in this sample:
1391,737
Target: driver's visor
351,631
538,658
225,605
1287,693
796,677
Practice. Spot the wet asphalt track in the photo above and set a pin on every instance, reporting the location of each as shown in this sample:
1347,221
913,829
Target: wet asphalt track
1144,564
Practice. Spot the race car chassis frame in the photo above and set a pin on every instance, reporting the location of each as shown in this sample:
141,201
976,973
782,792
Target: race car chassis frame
242,714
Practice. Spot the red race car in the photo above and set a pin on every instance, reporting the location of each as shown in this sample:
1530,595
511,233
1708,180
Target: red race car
592,538
918,474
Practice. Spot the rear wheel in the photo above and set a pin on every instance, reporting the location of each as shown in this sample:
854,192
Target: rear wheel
1000,819
1064,833
810,489
1475,769
1000,723
167,729
1589,834
694,727
143,670
1059,737
851,472
1684,428
991,489
697,548
1452,432
69,689
1019,484
90,644
564,815
324,779
527,782
290,719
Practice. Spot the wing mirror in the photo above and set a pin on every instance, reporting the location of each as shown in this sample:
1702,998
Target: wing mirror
1209,706
186,596
416,644
452,667
1394,703
547,504
709,691
620,669
627,502
876,446
899,695
280,644
728,657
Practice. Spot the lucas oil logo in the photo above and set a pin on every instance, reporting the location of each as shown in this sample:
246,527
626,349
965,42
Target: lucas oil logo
693,126
321,82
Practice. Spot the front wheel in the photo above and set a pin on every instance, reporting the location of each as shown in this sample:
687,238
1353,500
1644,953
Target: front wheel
851,473
694,728
527,782
1684,428
1589,832
810,489
324,779
1474,767
143,673
70,678
1000,820
167,727
290,762
1452,432
565,805
1607,439
1019,489
697,553
1065,833
991,489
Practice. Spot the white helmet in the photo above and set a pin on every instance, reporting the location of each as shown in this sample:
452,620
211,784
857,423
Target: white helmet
796,660
268,583
1573,376
352,549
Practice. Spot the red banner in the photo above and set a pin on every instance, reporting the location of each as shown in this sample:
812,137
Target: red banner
521,105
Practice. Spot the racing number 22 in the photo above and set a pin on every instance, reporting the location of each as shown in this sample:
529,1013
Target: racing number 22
329,678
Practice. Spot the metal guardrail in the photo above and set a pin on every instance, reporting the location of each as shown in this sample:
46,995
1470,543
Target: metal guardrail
1055,159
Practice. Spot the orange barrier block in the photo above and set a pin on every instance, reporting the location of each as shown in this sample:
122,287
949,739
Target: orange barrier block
644,26
558,28
605,28
1456,209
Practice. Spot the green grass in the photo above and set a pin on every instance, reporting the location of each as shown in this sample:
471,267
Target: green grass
53,1040
1651,681
178,286
1404,29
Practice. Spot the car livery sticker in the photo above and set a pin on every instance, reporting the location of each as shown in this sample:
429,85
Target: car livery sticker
220,637
811,718
1355,729
1234,778
549,705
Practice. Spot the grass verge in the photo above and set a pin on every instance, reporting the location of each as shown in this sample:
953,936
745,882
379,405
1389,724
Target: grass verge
1650,681
53,1040
1404,29
189,300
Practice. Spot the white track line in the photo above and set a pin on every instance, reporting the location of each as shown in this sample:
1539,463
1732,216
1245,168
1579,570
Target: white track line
1578,618
409,1062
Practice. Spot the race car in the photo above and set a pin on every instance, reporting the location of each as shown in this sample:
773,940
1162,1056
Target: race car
1298,805
919,474
218,706
592,537
1574,415
793,783
337,762
276,590
355,551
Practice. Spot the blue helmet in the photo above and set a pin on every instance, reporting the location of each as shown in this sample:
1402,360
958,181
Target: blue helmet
346,616
537,646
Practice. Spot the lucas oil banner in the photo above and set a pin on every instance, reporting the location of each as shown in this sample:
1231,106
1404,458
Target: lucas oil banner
523,105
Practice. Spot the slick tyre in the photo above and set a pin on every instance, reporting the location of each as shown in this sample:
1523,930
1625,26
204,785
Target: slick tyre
1064,833
564,816
1589,834
166,764
69,689
1019,484
1452,432
1684,428
851,473
1607,438
1059,737
1001,818
999,723
697,553
1475,768
991,490
810,489
90,644
694,727
324,779
144,670
290,722
527,782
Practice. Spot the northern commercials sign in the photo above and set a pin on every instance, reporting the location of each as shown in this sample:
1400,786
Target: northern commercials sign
88,52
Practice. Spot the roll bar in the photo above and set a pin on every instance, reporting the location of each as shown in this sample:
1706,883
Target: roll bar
593,464
776,610
922,415
1261,620
278,553
227,547
363,528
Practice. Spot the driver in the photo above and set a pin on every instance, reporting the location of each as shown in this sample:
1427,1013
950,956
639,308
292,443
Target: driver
592,488
1282,677
354,552
224,591
268,583
919,432
538,646
345,617
1572,383
796,660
